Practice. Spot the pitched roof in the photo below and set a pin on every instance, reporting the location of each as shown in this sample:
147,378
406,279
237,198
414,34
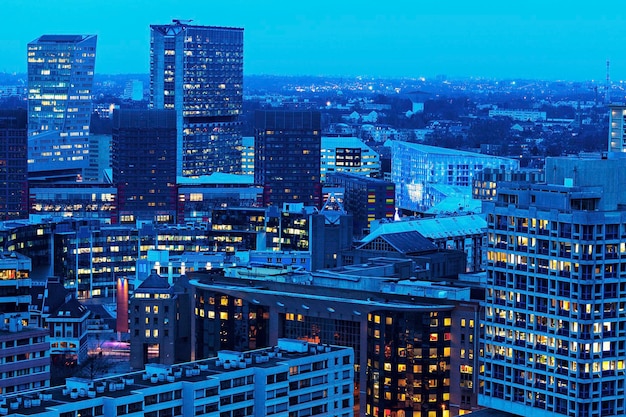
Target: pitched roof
433,228
154,282
407,242
70,309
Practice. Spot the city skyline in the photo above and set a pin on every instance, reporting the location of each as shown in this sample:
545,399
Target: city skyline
339,39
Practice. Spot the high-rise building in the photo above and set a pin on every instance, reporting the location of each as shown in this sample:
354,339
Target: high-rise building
198,71
287,156
60,83
554,323
13,165
143,156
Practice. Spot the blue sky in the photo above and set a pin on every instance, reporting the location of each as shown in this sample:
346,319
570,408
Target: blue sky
569,40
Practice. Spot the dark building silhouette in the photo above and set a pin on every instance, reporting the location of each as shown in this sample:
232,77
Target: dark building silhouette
144,168
287,156
13,164
198,71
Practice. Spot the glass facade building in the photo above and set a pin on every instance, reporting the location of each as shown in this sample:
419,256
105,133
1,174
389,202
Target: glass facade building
13,165
146,180
198,71
287,156
60,92
414,168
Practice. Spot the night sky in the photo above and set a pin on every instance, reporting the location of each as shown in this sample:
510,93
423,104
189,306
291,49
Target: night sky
568,40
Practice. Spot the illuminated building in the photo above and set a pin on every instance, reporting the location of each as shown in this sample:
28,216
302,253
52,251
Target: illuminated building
76,200
13,163
412,339
348,154
287,156
146,179
292,378
60,83
617,124
415,167
554,309
158,323
198,197
247,155
366,199
198,72
24,349
485,183
66,318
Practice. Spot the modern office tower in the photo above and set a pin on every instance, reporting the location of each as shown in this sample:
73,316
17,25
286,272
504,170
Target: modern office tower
198,71
617,126
403,330
287,156
348,154
13,165
60,83
144,169
415,168
159,324
367,199
292,378
554,311
24,349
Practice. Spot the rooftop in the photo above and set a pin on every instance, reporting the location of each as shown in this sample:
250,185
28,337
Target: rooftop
38,401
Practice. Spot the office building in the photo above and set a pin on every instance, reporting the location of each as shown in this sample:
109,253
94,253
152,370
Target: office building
366,199
144,165
287,156
402,329
198,72
24,348
617,124
292,378
13,165
247,155
198,197
415,167
554,312
348,154
60,92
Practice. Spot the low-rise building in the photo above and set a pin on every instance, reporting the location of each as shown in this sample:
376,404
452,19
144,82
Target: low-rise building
292,378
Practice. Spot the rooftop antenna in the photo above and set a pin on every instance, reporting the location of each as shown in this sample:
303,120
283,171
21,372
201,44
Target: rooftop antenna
607,88
182,21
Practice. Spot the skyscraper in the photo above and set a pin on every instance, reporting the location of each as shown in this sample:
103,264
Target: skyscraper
13,166
143,159
60,82
198,71
287,152
554,323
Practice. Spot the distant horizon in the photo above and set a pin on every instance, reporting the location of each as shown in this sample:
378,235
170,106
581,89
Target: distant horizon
403,39
372,77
